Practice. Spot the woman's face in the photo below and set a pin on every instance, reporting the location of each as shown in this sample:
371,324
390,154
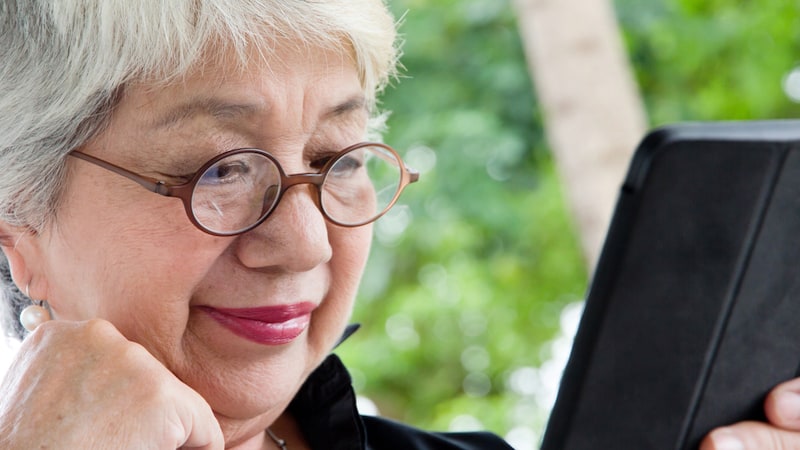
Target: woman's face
121,253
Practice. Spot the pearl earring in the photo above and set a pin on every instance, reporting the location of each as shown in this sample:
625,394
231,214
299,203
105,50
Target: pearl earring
33,315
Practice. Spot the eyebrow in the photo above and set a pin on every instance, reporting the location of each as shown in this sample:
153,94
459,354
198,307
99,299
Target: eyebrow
224,110
354,103
211,106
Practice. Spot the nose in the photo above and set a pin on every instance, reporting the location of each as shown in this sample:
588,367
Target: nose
293,239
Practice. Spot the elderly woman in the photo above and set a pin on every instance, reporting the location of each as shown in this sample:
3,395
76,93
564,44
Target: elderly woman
187,191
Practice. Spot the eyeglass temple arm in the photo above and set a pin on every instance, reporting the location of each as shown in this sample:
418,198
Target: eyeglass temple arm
151,184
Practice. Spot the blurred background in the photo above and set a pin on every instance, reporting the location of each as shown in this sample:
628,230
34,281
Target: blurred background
475,283
474,287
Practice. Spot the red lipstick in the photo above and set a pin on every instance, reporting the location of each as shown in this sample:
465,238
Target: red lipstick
270,325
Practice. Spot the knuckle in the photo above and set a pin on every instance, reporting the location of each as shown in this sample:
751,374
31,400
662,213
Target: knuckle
50,332
100,327
136,356
42,332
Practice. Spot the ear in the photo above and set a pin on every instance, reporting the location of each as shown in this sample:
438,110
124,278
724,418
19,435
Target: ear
21,247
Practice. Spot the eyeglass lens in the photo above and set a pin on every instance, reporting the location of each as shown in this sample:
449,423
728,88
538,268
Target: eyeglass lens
237,191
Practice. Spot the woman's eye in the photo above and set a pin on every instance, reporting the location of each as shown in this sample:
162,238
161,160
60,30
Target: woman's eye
346,165
320,162
225,172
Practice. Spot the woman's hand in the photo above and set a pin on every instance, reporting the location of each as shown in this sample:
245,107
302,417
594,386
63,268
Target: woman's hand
782,408
83,385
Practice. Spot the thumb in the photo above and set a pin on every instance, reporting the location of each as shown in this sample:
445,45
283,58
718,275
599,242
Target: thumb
751,435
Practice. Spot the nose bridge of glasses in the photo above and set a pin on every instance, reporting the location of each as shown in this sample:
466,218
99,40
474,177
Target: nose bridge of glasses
303,178
273,198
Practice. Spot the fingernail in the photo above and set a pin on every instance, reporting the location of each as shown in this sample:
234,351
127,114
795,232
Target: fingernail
726,439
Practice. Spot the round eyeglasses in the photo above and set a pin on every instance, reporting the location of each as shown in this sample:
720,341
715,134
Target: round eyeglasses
236,191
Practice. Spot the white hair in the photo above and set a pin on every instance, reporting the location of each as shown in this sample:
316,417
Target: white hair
64,63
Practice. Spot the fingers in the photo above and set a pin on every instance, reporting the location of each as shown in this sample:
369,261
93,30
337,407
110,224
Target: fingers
198,428
92,388
782,405
751,436
722,439
190,421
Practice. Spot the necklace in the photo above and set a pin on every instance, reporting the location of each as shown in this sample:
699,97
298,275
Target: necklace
278,441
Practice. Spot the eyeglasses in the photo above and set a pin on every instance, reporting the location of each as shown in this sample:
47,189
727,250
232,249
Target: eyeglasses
236,191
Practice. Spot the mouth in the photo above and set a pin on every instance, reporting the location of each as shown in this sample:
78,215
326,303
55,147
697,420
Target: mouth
269,325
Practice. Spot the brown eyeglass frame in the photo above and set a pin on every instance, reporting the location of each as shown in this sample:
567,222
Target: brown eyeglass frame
184,191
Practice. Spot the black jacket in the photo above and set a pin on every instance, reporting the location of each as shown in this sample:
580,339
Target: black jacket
325,409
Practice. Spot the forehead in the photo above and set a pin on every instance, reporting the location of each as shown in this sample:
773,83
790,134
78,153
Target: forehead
228,86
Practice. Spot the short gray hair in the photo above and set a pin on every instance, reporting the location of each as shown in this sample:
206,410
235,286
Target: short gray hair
64,64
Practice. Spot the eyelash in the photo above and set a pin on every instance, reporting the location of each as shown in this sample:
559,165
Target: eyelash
319,163
318,159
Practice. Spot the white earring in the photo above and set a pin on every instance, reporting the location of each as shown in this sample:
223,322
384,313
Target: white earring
33,315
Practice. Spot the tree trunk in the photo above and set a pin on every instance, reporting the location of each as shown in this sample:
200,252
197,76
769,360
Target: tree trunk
593,113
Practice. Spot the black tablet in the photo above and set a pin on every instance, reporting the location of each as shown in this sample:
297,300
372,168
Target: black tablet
693,313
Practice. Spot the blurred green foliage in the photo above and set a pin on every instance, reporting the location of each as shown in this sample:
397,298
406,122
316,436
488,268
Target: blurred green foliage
468,278
713,59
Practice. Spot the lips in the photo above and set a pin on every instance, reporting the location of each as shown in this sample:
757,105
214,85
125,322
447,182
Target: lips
269,325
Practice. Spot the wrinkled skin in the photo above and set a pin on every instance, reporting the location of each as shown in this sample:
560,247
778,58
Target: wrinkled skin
153,370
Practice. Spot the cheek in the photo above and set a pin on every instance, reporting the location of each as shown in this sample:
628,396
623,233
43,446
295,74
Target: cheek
350,251
145,289
135,265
